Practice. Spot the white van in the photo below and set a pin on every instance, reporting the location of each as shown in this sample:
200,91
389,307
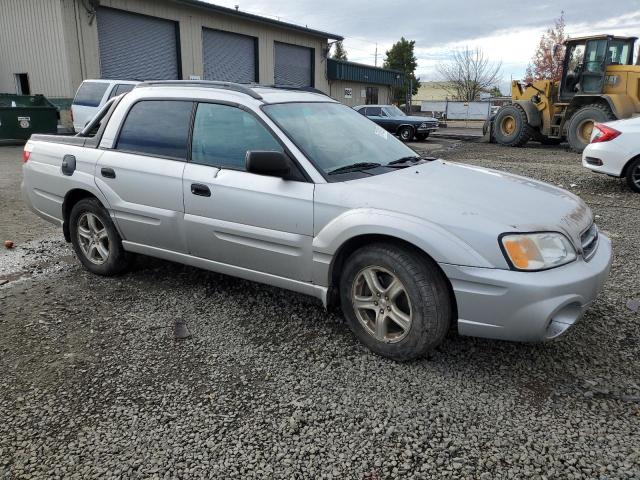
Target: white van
92,95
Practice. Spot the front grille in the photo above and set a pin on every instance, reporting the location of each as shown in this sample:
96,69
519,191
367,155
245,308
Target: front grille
589,240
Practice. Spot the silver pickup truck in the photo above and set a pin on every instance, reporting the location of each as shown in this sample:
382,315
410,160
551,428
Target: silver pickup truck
293,189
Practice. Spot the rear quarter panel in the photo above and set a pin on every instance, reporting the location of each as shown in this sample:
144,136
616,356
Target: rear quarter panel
45,186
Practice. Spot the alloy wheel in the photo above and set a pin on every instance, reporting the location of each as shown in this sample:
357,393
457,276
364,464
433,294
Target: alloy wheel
93,238
635,176
382,304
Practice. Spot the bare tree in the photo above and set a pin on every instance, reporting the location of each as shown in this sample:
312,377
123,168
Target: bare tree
469,73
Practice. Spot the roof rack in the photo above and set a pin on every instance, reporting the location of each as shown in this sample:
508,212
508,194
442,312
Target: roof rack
236,87
292,87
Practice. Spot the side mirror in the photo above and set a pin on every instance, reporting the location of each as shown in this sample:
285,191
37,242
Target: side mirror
273,164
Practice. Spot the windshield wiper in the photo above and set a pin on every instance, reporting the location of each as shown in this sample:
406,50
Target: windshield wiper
411,159
354,167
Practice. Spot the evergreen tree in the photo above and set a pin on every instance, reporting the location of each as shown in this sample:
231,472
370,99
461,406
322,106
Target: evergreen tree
339,52
401,57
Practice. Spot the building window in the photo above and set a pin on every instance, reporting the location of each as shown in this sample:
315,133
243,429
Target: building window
372,95
22,84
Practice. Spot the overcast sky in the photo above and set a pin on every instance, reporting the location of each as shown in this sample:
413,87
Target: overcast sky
507,31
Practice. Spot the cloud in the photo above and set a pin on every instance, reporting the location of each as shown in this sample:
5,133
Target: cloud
506,31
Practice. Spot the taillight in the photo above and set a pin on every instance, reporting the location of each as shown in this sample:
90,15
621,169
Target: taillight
26,153
604,133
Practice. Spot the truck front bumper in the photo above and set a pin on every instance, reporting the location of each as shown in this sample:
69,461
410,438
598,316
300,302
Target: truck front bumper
527,306
427,129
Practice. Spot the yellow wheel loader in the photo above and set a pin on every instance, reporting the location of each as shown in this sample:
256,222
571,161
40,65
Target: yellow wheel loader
599,83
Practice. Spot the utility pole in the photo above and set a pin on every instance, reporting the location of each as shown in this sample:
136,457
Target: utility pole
376,60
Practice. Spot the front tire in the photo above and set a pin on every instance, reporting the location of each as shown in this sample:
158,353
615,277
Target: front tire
581,124
633,175
511,127
395,300
95,239
421,137
405,133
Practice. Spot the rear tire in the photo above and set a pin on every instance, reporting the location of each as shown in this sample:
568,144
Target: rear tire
95,239
510,127
581,124
633,175
408,313
405,134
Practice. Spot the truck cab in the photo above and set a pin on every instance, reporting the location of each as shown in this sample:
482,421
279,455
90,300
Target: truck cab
587,61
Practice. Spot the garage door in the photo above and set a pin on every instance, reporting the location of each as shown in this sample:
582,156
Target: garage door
137,46
228,56
294,65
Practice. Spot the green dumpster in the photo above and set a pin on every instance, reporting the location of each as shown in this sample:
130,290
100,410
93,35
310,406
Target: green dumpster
22,115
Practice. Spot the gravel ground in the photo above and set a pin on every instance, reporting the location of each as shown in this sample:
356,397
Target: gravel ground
94,385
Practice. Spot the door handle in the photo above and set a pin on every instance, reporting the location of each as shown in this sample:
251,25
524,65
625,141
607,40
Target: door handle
108,172
199,189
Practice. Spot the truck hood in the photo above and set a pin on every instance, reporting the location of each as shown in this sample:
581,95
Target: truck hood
475,204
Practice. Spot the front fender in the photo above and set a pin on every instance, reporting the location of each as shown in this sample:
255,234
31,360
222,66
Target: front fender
406,125
533,114
440,244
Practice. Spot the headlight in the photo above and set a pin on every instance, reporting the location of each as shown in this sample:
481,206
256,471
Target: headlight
537,251
423,125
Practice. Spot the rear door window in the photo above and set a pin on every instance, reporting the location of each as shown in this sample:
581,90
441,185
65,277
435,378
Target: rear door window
157,127
374,111
90,94
120,89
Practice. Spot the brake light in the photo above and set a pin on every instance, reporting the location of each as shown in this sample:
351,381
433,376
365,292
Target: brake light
604,133
26,153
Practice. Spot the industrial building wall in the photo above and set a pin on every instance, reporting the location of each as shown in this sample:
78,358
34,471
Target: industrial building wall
32,41
191,21
337,92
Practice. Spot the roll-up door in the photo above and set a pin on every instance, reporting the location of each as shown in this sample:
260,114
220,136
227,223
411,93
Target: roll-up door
134,46
229,57
293,65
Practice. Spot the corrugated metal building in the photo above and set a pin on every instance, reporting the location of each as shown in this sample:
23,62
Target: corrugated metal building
358,84
50,46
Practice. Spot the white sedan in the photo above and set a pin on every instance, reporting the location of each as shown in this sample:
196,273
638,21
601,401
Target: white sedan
615,150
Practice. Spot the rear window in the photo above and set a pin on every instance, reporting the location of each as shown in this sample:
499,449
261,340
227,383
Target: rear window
120,89
157,127
90,94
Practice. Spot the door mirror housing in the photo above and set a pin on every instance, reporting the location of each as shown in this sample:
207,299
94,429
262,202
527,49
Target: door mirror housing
273,164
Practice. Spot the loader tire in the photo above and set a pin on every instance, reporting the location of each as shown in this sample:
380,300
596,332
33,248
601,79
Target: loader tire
510,126
581,124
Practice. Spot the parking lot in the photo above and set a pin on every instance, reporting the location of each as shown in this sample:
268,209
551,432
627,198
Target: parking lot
94,385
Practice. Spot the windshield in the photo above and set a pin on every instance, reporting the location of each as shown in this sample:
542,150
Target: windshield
333,135
394,111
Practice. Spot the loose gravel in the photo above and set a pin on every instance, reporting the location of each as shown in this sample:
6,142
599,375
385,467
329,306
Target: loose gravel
93,383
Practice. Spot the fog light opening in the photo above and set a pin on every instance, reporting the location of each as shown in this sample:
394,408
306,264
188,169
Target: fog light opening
561,320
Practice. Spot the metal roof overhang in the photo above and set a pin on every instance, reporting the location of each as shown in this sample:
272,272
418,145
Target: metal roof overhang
257,18
358,72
